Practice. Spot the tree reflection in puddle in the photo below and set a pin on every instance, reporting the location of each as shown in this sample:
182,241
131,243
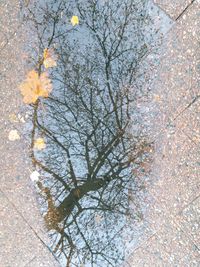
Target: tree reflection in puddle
92,153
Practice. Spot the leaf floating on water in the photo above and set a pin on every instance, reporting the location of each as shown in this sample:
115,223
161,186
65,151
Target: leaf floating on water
16,118
35,176
49,63
35,86
21,118
39,144
49,60
13,118
13,135
74,20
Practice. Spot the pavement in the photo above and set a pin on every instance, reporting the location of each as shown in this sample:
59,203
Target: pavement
23,239
172,220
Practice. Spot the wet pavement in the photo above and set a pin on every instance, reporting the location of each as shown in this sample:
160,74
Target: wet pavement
175,8
23,240
111,191
173,219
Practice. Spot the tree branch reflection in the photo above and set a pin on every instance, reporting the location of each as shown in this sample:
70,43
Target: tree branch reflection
88,183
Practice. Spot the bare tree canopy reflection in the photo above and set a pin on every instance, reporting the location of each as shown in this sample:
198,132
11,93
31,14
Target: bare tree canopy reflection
88,180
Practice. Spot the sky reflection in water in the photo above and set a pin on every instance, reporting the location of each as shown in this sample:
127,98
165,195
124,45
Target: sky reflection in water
90,185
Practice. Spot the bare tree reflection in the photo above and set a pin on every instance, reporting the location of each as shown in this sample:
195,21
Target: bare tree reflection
87,123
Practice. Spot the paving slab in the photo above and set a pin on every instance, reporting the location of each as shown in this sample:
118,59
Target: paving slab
189,221
173,8
23,235
175,183
3,201
191,19
171,72
173,239
18,241
177,83
168,247
178,183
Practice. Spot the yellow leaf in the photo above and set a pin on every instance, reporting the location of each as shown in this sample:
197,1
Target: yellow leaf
74,20
13,135
49,59
16,118
39,144
35,86
49,63
46,53
13,117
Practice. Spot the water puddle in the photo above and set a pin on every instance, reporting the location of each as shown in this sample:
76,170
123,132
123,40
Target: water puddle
90,148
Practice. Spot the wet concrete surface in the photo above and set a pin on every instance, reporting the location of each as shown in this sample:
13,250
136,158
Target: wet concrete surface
22,235
170,235
174,216
174,8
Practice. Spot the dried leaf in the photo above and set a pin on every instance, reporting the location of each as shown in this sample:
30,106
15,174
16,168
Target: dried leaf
49,58
35,176
21,118
39,144
49,63
16,118
35,86
13,135
74,20
13,118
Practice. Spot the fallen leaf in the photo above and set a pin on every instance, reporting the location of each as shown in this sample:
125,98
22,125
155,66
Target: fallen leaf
35,86
49,58
16,118
35,176
13,118
21,118
74,20
13,135
39,144
49,63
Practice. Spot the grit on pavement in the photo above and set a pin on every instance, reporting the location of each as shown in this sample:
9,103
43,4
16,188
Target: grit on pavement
173,233
22,236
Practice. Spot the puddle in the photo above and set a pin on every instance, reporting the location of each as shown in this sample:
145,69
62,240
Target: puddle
90,147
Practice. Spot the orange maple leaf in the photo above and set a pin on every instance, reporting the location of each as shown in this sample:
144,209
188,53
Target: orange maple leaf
35,86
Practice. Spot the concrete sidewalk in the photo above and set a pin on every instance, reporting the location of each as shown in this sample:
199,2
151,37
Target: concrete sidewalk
23,241
172,236
173,217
